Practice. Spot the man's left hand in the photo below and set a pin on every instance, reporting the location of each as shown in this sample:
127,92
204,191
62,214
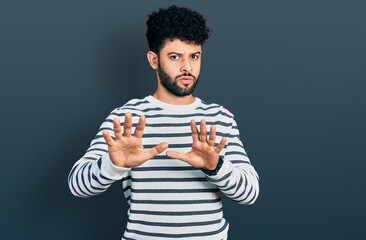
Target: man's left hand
203,153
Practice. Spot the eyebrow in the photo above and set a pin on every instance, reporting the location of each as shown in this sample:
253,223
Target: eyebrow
182,53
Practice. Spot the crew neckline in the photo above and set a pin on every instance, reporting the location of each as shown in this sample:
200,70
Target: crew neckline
173,107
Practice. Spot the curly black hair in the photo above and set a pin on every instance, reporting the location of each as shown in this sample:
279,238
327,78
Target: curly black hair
176,22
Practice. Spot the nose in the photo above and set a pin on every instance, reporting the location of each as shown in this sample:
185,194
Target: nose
186,66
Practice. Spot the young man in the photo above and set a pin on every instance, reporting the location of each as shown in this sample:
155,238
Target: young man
172,170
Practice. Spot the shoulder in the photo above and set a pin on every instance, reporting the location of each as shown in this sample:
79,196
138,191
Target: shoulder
218,107
136,106
134,103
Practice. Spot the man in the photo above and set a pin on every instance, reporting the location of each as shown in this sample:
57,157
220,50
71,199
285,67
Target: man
172,170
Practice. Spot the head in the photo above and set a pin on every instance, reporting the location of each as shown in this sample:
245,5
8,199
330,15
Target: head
176,36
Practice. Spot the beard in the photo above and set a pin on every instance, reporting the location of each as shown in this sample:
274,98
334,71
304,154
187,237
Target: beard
172,85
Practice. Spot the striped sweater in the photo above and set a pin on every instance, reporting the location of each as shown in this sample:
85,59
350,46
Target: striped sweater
168,198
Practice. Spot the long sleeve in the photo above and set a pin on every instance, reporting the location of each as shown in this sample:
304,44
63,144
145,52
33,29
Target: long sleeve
95,172
236,177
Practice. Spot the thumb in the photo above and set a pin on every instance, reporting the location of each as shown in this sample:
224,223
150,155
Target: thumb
158,149
177,155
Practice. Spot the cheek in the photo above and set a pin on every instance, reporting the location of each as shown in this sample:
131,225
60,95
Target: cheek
197,67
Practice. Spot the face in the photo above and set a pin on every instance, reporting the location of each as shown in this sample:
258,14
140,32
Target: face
179,67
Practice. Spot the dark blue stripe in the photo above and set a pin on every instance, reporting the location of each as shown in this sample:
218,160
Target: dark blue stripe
220,179
170,224
186,235
188,168
91,158
240,182
126,178
234,144
77,180
239,161
175,115
104,177
97,180
243,191
168,179
82,174
236,199
173,190
201,201
72,172
97,149
135,104
126,188
72,184
189,213
91,183
223,188
201,108
216,123
142,110
236,152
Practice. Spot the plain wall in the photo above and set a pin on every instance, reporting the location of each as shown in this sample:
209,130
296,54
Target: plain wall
292,72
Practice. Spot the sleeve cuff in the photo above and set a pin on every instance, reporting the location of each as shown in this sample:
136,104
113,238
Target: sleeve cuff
109,170
216,170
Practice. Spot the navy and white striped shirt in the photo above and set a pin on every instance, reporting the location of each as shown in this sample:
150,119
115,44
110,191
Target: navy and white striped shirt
168,198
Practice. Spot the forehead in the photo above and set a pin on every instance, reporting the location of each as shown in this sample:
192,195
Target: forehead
179,46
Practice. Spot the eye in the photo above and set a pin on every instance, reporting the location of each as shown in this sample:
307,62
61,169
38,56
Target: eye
174,57
194,56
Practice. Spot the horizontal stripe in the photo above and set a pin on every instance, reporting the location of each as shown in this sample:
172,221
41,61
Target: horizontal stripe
235,152
235,144
173,190
188,213
170,224
175,115
205,109
135,104
220,179
201,201
142,110
188,168
239,161
183,124
168,179
184,235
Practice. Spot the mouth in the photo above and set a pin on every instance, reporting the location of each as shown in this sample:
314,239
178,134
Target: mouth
185,80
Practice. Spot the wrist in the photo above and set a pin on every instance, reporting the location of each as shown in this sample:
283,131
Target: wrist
109,169
216,169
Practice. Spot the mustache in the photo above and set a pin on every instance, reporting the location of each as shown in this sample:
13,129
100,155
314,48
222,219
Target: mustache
186,75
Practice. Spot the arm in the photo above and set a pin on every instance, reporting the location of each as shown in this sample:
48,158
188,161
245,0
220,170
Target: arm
108,159
232,174
236,177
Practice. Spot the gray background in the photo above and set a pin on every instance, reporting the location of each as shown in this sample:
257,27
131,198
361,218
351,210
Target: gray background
292,72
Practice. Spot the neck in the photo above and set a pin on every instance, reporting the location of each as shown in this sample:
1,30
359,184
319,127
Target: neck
165,96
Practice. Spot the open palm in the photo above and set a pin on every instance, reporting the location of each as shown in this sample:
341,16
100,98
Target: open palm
127,150
203,153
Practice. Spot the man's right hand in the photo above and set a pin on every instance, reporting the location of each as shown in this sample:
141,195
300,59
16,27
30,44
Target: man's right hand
127,150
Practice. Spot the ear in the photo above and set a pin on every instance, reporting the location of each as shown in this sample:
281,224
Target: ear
153,59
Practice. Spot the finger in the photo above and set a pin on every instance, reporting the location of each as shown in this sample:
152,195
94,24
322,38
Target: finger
194,129
117,129
108,138
211,140
221,145
203,130
139,130
158,149
127,126
177,155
